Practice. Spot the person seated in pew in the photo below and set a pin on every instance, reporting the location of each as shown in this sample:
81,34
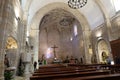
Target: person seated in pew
72,60
66,60
77,61
117,60
40,62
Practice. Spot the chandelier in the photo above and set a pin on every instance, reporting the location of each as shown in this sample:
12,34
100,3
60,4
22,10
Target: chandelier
75,4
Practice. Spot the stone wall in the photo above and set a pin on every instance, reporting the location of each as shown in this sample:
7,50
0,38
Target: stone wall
100,33
3,36
115,27
78,46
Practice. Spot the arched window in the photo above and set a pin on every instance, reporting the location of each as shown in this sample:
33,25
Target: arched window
75,30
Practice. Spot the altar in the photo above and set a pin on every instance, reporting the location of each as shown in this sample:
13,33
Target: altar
57,61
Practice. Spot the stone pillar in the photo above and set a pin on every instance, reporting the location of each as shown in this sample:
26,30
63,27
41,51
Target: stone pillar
3,24
87,43
26,48
2,64
36,45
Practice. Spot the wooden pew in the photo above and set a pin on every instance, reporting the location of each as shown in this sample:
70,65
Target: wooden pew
114,68
87,65
103,77
51,66
75,74
61,69
96,77
63,72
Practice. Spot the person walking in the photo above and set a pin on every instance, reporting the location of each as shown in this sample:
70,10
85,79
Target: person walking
35,65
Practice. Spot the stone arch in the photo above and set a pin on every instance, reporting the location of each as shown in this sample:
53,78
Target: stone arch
106,16
12,50
39,15
77,47
11,43
34,26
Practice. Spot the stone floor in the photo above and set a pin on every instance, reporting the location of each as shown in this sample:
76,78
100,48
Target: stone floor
22,78
19,78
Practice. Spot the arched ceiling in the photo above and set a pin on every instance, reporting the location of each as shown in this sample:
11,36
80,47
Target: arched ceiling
91,10
58,17
59,20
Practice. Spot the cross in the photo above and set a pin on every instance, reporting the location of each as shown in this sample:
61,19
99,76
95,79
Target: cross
54,47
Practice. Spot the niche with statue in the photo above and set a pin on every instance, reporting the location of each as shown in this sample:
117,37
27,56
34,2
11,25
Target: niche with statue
103,51
104,56
10,59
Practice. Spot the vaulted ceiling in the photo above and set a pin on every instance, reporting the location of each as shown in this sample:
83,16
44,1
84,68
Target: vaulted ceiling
92,10
57,17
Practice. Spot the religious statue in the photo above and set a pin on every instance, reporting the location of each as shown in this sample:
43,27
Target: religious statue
66,60
104,56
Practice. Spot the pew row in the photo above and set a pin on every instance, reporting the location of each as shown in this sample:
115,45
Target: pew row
96,77
66,75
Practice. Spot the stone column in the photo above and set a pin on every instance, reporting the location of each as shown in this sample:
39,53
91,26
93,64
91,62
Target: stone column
26,48
2,64
35,43
3,24
87,43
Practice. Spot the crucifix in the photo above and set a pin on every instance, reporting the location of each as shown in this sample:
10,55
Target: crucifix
54,47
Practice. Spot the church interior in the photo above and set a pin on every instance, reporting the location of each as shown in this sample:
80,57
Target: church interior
59,39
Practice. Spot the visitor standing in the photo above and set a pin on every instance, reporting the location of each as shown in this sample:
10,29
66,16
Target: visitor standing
35,65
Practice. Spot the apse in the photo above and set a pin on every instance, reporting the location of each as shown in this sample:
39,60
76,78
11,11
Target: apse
60,35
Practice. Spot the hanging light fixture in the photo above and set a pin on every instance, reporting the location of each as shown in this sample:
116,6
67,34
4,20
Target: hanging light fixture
75,4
